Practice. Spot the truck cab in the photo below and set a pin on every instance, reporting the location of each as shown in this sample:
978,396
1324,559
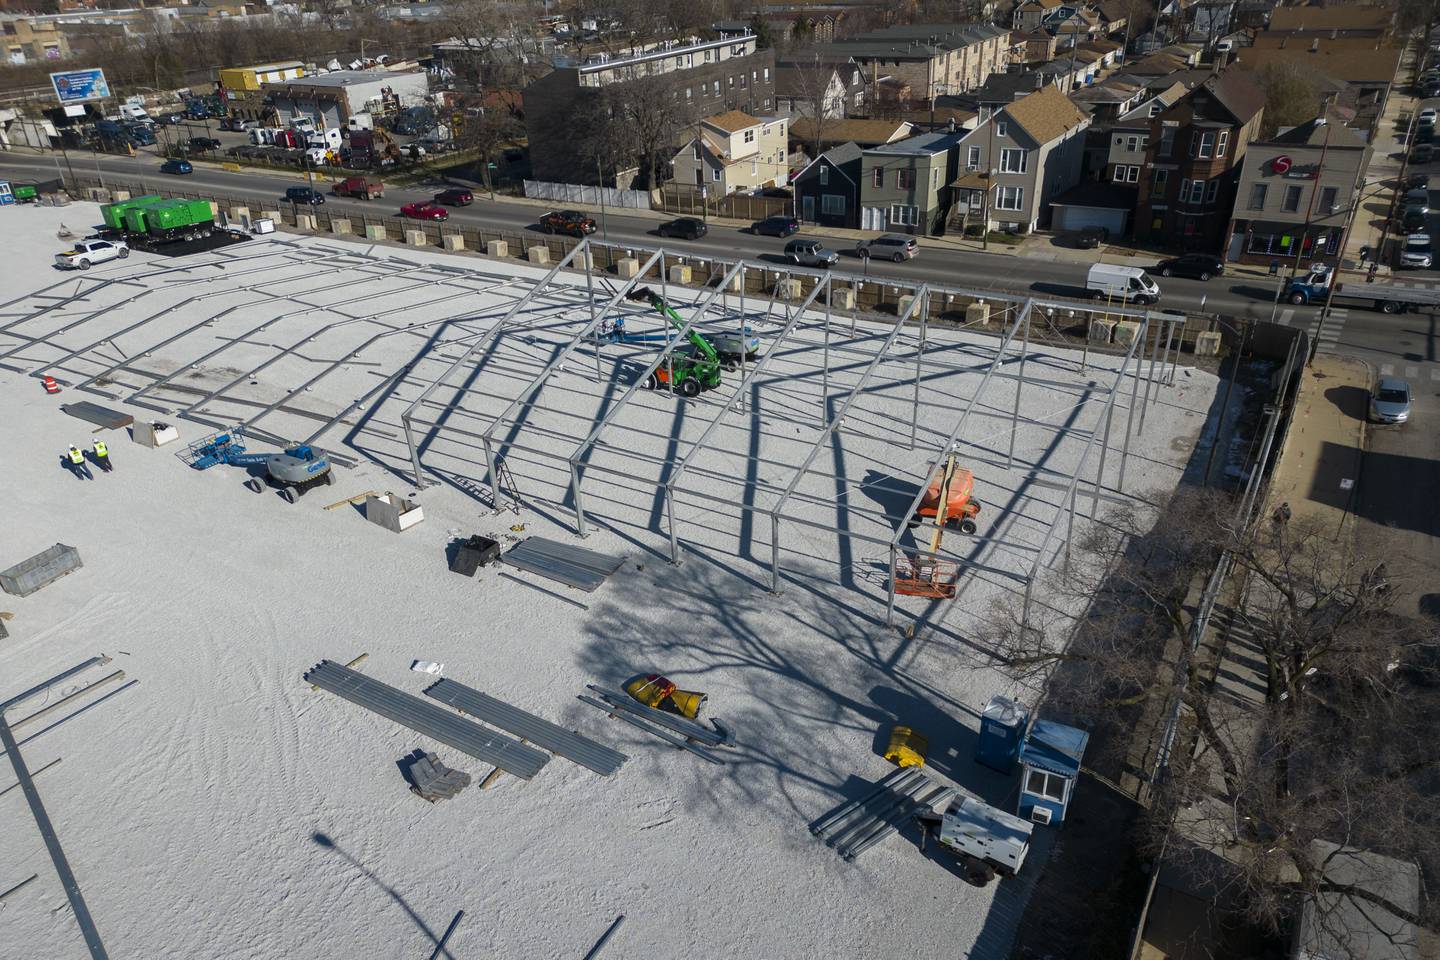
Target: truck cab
1309,287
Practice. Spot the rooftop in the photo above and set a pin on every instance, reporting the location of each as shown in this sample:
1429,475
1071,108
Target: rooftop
864,132
732,121
345,78
926,144
1352,63
1046,114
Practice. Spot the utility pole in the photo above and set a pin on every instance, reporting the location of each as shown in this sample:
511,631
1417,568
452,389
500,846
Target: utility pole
1314,194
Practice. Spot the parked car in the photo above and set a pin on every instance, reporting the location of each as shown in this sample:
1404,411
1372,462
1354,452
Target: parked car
1425,135
455,197
1199,266
305,195
1418,197
89,251
1088,238
894,246
1416,254
1423,153
168,119
1414,219
1418,181
178,167
1390,401
810,253
573,222
1427,117
424,211
776,226
685,228
204,143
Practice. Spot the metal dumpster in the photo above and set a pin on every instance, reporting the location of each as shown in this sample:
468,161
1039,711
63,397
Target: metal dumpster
45,567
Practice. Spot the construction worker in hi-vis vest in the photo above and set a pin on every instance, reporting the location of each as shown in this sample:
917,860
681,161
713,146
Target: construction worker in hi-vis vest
77,463
102,456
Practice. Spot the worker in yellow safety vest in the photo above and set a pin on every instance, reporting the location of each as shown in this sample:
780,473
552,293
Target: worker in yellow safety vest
102,456
75,462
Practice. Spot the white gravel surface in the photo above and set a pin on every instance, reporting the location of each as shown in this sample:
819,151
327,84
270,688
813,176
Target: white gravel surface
193,806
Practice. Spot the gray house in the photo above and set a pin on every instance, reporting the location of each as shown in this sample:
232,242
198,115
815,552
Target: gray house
1019,159
903,185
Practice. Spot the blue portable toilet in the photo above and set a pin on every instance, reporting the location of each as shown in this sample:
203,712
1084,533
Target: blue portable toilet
1049,767
7,196
1002,728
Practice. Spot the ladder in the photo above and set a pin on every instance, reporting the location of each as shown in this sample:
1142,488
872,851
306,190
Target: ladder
507,483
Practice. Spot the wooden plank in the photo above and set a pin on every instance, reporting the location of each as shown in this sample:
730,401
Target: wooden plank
350,500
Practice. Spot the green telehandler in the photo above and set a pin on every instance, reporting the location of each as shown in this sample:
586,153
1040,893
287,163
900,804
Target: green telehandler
689,373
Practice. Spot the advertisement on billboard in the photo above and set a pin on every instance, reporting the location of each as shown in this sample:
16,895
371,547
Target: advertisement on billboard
80,86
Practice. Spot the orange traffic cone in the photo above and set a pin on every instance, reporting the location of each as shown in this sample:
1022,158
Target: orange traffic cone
51,386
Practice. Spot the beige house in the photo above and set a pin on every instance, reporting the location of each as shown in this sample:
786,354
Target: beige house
734,152
32,40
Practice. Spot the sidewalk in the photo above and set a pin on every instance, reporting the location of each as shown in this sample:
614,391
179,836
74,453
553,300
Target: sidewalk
1385,164
1320,464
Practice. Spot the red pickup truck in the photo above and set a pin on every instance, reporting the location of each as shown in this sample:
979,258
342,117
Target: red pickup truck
360,187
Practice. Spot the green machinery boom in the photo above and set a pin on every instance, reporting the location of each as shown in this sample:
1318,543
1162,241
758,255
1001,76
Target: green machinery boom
690,373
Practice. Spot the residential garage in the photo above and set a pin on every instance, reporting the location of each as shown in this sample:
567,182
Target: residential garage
1094,204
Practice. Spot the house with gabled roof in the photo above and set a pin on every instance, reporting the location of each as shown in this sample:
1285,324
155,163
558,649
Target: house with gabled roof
733,152
1020,157
827,190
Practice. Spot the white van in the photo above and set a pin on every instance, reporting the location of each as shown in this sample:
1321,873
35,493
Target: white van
327,139
1111,281
361,121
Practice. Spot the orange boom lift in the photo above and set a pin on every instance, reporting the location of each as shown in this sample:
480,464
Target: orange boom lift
927,575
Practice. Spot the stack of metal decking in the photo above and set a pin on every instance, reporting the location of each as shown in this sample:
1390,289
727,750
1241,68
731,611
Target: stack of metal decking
857,825
432,780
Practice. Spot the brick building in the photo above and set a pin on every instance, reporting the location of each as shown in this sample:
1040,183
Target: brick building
1196,146
707,78
933,59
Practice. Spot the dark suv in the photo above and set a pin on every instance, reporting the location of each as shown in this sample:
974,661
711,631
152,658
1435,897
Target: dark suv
686,228
304,195
776,226
1199,266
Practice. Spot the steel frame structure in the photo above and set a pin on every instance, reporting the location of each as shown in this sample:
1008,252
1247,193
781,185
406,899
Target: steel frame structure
558,289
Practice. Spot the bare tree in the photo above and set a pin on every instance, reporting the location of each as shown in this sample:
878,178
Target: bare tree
1290,99
1277,783
641,119
815,82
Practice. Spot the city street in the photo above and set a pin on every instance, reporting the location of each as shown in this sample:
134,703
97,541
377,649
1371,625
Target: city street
1240,296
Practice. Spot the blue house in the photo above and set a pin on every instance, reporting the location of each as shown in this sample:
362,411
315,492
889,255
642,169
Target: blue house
1049,767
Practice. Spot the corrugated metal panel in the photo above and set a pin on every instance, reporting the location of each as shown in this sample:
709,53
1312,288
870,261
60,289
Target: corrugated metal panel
429,719
574,566
527,726
98,415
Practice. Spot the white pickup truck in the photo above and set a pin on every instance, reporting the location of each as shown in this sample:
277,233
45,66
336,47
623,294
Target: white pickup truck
86,252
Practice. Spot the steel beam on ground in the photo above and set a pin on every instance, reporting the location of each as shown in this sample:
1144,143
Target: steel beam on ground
577,473
1019,383
544,376
880,356
541,285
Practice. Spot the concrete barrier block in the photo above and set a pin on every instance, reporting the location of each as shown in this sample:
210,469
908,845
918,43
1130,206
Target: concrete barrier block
679,273
1207,344
305,221
120,195
374,231
272,215
978,313
627,268
1100,331
214,209
415,238
904,305
497,248
341,227
842,298
788,289
452,241
538,254
240,215
1125,332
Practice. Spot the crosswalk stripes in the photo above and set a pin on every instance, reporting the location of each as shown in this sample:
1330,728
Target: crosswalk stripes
1412,372
1435,373
1285,317
1330,329
1387,369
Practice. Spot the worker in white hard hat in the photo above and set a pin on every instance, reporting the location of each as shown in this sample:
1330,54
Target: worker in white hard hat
75,461
102,456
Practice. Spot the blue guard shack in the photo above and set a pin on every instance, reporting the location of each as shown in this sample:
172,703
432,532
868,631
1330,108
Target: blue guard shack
1049,767
1002,729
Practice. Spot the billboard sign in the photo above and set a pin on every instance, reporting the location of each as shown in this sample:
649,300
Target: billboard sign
80,86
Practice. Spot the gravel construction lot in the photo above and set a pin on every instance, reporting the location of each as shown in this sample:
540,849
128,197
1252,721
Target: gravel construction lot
221,807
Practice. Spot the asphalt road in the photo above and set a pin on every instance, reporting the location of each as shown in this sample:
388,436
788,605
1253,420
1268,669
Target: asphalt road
1237,296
